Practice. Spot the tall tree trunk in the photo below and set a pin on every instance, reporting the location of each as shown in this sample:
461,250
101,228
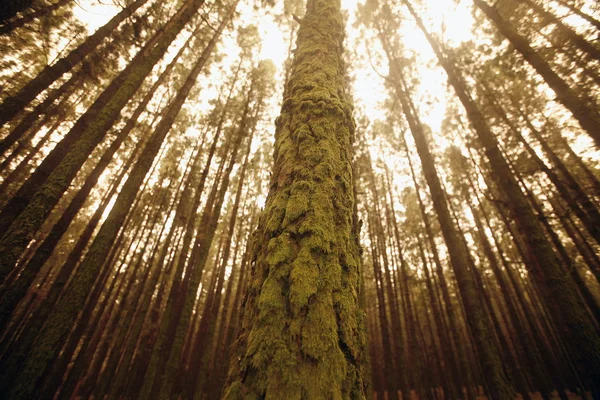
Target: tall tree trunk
217,366
303,331
396,354
460,361
579,13
206,332
43,107
588,117
557,289
566,31
496,380
9,26
67,307
387,361
27,210
17,290
11,106
163,383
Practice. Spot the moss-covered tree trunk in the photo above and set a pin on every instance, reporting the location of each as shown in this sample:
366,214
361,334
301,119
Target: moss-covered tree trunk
303,332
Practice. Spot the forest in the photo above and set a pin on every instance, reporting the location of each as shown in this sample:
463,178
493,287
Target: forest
320,199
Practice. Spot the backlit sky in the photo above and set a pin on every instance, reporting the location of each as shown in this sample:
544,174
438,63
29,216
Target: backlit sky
366,66
368,90
363,51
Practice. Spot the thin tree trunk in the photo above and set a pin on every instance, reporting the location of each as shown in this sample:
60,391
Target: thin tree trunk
460,362
557,289
564,30
27,210
208,323
67,307
579,13
11,25
588,117
11,106
487,350
43,107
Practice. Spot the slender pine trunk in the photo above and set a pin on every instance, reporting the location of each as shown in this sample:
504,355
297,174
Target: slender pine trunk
13,105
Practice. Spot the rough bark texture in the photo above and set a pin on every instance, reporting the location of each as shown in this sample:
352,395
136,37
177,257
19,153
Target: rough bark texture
303,332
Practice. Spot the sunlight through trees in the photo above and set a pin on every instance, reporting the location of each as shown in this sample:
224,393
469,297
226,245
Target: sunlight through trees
320,199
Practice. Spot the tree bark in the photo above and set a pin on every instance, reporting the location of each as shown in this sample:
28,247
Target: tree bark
303,330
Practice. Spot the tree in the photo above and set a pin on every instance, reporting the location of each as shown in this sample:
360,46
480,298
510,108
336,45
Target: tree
29,207
302,332
495,377
138,240
14,104
67,308
586,114
552,281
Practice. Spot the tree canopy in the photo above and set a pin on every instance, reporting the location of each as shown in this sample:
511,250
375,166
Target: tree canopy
321,199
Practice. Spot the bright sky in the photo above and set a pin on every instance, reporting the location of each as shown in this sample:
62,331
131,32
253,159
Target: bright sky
368,90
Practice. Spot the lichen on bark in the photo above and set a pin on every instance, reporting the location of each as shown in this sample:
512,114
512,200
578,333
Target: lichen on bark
302,334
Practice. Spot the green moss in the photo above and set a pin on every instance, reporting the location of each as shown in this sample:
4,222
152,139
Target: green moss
304,335
303,281
271,298
298,203
280,251
276,212
234,391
